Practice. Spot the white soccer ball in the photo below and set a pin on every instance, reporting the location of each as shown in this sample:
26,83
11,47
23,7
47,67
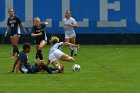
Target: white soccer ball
76,67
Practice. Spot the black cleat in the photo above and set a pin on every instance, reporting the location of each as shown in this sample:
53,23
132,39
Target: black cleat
75,54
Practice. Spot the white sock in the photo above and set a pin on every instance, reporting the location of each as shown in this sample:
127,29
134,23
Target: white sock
71,48
74,50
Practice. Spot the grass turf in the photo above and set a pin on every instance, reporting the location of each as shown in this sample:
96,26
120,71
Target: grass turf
104,69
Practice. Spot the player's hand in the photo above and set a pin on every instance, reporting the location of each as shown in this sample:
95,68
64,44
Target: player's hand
71,25
5,35
25,32
65,27
46,23
40,33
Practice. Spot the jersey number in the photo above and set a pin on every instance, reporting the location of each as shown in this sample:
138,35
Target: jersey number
12,25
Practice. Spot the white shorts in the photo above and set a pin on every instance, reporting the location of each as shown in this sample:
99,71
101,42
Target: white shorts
70,35
55,55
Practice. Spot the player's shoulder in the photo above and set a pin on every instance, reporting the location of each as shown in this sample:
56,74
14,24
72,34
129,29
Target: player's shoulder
16,17
22,53
71,18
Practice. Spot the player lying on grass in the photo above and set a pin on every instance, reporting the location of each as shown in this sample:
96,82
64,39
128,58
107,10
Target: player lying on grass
24,66
55,53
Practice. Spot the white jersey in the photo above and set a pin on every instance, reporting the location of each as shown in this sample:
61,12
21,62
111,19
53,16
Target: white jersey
69,29
56,46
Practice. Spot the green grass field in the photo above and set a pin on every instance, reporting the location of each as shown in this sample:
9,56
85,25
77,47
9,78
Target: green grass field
104,69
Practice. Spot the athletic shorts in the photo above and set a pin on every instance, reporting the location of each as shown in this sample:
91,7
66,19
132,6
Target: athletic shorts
32,69
69,35
37,42
55,55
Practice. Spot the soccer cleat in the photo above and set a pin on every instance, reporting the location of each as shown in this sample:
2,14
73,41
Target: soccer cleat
34,60
75,54
12,56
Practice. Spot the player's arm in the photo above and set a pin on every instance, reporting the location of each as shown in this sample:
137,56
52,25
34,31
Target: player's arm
7,30
22,25
17,67
33,33
70,44
74,23
36,35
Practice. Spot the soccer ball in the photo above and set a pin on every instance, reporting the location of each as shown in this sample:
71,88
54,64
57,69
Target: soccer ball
76,67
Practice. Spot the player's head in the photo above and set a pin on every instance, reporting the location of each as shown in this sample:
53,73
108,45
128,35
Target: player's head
68,14
11,12
37,21
54,40
26,47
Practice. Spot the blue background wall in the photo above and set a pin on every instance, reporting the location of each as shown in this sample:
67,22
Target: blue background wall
89,9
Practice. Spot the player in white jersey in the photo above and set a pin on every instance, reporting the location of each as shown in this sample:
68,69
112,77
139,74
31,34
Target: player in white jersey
70,36
55,53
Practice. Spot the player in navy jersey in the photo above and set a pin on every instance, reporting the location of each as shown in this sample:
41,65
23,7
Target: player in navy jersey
39,34
22,63
13,24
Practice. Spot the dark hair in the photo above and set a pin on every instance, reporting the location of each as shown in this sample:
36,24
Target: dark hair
10,9
26,45
68,11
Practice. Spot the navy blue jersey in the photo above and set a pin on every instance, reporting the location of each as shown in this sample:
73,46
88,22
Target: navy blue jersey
23,59
13,24
37,30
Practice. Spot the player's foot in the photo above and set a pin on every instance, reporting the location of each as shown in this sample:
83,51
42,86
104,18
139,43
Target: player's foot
71,53
12,56
62,69
75,54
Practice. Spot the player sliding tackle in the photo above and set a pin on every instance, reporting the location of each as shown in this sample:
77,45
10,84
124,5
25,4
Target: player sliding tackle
24,66
55,53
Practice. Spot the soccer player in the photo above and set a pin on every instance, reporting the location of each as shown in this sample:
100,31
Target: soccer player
55,53
13,24
70,36
39,34
24,66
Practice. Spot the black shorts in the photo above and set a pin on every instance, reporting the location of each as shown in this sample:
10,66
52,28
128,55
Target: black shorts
37,42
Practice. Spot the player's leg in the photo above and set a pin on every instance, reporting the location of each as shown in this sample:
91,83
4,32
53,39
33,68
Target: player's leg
41,45
50,70
59,66
14,48
73,40
36,56
70,47
16,39
67,58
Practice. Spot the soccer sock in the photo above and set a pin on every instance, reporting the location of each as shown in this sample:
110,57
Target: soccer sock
14,49
40,54
74,50
71,48
17,49
70,59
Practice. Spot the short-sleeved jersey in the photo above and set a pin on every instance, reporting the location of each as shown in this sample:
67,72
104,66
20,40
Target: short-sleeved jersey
23,59
13,24
69,29
37,30
55,47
